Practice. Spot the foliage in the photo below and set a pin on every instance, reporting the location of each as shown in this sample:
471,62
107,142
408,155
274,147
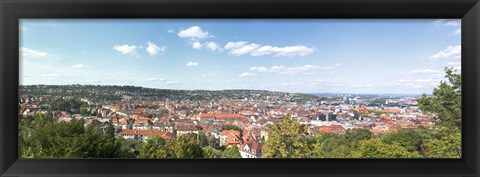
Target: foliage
330,145
358,135
185,147
375,148
287,140
232,152
447,146
71,105
202,138
42,138
445,105
209,153
154,147
407,138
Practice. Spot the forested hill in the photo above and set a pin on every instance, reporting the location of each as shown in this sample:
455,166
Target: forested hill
119,92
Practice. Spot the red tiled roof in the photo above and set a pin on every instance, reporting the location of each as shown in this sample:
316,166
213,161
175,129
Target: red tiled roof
141,121
233,137
64,120
165,135
255,147
329,129
187,127
222,116
123,121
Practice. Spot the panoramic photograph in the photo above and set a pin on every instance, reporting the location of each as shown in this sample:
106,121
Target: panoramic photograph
240,88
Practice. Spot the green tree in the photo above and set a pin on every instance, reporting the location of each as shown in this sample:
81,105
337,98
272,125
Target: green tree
445,104
358,135
375,148
202,138
330,145
186,146
287,140
46,139
209,153
232,152
449,145
405,137
154,147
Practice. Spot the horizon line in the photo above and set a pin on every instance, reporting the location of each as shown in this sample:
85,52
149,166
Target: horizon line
231,89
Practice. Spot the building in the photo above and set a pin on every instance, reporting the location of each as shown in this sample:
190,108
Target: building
142,124
123,123
220,117
251,149
164,124
229,138
182,129
143,135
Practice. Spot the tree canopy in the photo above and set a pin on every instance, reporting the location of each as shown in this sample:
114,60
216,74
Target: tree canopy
287,140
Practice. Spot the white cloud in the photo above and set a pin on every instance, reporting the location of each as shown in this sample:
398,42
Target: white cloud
192,63
78,66
171,31
155,79
285,70
153,49
241,48
418,86
453,23
193,33
457,68
92,81
424,71
32,53
246,74
57,75
457,31
449,22
404,80
453,64
450,52
332,67
423,80
283,51
212,46
291,70
263,69
197,45
232,45
288,84
300,69
173,82
126,49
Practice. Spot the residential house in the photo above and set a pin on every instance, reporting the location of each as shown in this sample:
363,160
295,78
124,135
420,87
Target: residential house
229,138
142,124
143,135
251,149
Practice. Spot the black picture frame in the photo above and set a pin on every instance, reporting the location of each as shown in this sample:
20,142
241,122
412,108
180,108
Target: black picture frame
13,10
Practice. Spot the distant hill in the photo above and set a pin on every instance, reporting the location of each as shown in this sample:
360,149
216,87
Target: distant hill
113,92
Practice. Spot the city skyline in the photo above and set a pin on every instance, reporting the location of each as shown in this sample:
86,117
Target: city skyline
302,56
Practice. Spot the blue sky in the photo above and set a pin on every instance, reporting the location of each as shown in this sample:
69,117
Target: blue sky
308,56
